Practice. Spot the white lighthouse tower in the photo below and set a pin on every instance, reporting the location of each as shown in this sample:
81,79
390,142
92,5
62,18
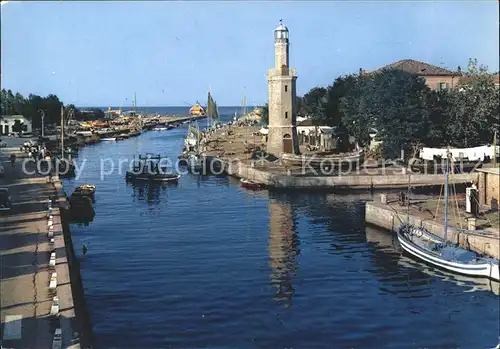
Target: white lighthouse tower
281,79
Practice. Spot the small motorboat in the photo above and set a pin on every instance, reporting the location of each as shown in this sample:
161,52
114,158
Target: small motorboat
122,136
147,168
249,184
150,177
84,190
160,129
109,139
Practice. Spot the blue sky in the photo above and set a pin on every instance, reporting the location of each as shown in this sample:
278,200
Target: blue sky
170,53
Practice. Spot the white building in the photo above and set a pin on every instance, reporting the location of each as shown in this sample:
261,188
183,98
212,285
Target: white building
8,121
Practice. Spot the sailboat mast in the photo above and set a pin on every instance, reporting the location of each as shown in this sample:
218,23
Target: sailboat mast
135,103
243,106
197,138
408,199
62,132
446,171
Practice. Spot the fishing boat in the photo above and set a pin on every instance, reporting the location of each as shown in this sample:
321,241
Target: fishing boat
441,253
108,139
148,168
249,184
197,110
212,110
191,152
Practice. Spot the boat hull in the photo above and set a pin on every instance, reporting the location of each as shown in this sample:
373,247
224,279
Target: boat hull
486,269
154,178
248,184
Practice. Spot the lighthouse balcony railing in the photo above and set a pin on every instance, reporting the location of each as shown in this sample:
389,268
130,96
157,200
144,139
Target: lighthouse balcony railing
283,71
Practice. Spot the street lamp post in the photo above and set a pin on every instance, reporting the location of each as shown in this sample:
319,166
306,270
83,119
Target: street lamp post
43,117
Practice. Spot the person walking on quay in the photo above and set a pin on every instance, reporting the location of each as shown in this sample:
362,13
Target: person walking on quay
12,159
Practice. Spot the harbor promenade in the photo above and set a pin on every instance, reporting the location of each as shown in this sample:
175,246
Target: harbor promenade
25,272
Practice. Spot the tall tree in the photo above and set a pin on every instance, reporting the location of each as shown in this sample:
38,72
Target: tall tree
473,113
333,114
314,103
438,105
392,102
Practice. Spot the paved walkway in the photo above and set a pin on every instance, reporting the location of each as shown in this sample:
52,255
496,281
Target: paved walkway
24,257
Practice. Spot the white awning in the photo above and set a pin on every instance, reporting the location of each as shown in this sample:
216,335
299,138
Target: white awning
264,131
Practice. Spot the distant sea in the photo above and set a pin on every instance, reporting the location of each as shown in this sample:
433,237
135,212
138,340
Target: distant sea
179,110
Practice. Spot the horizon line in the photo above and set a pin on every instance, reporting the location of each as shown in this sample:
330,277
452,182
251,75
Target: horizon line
158,106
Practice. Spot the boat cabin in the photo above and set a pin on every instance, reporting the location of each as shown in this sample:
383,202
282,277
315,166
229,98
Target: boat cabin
149,163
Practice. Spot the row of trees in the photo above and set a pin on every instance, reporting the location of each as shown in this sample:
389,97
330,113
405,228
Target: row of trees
31,108
405,113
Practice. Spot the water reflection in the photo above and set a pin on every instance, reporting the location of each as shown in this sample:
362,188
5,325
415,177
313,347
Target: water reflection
212,180
149,191
283,249
403,275
469,284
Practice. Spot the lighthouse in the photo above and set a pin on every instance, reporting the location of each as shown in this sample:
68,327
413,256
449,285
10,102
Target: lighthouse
281,82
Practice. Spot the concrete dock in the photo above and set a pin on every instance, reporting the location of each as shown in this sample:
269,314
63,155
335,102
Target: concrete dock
229,145
390,216
25,271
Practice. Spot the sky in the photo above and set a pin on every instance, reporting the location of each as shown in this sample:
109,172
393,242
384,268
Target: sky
170,53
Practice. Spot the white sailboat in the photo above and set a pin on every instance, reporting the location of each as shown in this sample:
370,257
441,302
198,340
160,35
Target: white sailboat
441,253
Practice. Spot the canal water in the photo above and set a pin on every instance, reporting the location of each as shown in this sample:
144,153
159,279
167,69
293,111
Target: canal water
207,264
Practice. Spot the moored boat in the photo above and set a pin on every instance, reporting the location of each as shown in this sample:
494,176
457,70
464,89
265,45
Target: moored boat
148,168
108,139
441,253
85,190
249,184
134,133
434,250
